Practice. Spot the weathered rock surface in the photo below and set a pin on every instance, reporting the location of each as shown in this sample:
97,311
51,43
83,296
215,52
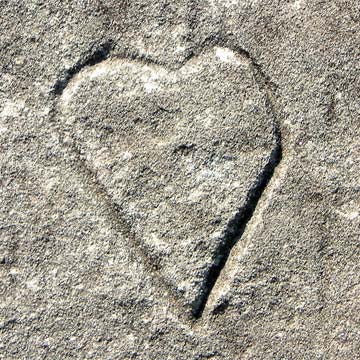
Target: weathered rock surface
179,152
160,157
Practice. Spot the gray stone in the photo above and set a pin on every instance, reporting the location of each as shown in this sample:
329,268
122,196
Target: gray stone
88,92
179,152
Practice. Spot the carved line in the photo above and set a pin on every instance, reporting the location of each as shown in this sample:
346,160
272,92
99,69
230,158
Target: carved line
114,213
113,210
235,229
236,226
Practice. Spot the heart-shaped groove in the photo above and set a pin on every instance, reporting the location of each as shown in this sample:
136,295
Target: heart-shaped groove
184,154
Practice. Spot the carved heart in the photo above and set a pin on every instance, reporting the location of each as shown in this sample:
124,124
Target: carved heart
178,150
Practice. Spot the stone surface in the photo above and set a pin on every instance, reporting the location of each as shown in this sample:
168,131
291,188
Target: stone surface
110,113
177,151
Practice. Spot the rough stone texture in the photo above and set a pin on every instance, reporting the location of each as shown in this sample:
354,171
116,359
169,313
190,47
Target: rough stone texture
177,151
81,275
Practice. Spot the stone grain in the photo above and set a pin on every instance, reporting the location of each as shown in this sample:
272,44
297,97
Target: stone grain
73,285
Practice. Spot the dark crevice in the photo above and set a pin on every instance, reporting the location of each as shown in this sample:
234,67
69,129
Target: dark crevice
236,227
94,56
330,113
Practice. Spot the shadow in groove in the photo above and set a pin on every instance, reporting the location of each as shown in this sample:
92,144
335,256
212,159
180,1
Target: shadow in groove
236,228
